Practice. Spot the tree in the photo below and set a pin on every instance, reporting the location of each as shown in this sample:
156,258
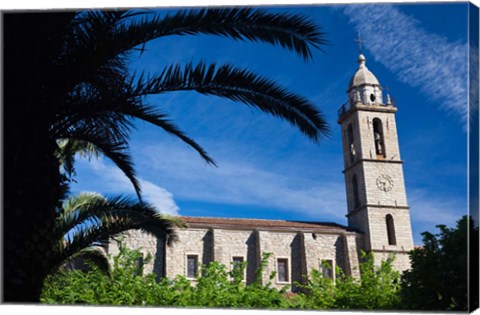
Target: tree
377,288
89,218
67,80
439,275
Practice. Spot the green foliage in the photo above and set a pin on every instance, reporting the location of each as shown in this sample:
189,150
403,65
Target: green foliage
217,287
380,284
320,292
377,288
439,275
125,287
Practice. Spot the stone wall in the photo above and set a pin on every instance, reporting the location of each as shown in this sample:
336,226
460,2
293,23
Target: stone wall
401,262
236,243
147,244
281,245
304,251
378,229
190,242
320,247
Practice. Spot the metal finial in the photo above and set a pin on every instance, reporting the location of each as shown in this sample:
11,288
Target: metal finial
359,40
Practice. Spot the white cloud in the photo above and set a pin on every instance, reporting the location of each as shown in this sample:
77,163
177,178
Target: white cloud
161,198
111,180
417,57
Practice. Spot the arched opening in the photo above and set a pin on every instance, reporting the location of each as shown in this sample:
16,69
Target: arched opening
391,230
378,138
351,146
356,198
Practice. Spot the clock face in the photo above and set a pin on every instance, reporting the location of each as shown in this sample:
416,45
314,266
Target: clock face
384,182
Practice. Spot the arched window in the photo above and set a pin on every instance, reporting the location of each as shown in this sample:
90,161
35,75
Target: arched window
378,138
351,146
356,199
390,230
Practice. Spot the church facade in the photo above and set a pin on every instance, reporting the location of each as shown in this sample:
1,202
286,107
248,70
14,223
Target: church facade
377,210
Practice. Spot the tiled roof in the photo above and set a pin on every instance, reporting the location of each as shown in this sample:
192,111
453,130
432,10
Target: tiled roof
262,224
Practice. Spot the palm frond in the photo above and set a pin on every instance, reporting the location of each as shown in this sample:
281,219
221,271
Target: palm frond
115,101
174,220
80,201
94,211
112,224
101,40
238,85
116,151
290,31
85,110
68,148
155,117
96,55
95,255
90,217
88,208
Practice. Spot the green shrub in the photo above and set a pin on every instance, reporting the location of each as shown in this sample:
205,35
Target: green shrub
216,287
318,292
377,288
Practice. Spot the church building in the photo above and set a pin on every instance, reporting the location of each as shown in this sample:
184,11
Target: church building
377,210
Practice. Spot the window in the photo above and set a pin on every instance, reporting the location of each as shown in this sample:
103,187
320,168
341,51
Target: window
391,230
282,269
139,265
351,146
327,268
192,266
237,265
356,198
378,137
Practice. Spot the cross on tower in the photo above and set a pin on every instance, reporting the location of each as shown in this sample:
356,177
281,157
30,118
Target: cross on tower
359,40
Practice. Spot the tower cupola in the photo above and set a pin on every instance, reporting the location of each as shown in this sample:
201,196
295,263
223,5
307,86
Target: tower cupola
364,87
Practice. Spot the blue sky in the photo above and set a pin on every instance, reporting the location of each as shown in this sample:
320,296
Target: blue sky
266,168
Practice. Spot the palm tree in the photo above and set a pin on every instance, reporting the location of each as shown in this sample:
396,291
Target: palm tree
87,218
67,80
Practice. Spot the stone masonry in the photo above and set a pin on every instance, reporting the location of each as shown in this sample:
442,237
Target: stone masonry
303,245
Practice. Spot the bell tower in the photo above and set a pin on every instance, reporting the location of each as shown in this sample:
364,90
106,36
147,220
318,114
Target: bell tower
376,197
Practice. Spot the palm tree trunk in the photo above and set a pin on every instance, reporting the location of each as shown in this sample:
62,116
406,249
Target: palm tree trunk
32,182
31,191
